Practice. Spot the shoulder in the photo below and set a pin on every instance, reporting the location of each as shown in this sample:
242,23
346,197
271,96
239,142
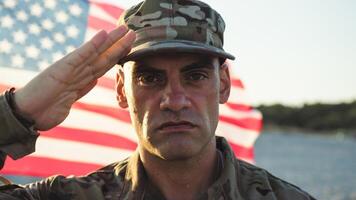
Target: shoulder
104,183
255,181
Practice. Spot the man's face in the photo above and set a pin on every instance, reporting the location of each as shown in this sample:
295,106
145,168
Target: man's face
173,102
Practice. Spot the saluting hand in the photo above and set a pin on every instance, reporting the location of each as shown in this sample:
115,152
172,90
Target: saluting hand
47,99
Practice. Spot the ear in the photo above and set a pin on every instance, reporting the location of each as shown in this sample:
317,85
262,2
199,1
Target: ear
225,83
120,89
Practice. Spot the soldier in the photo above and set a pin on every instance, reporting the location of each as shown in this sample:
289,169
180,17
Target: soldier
172,78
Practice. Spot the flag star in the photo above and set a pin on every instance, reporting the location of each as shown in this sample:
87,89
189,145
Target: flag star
22,16
51,4
17,61
5,46
57,55
70,48
32,52
43,64
46,43
34,29
36,10
7,22
59,37
75,10
10,3
72,31
61,17
47,24
19,37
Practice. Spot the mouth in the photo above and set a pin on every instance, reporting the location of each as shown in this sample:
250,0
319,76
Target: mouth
176,126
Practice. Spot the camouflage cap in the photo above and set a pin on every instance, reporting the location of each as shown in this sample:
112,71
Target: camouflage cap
174,26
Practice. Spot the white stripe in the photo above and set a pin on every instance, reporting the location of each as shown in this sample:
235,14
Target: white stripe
101,96
111,73
78,151
237,135
86,120
101,14
239,96
15,77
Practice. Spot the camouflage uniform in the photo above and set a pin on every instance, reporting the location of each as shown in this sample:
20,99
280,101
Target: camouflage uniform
161,26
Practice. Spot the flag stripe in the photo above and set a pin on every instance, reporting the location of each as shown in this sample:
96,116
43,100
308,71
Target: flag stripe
246,123
78,151
242,152
114,11
106,83
88,136
116,113
98,23
38,166
239,107
85,120
237,83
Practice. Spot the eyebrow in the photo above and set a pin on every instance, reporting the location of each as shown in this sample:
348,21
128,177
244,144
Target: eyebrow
143,67
200,64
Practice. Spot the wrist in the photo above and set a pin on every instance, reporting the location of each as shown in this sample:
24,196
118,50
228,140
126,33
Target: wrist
25,120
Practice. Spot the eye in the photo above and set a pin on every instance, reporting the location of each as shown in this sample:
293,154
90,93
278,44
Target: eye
196,76
150,78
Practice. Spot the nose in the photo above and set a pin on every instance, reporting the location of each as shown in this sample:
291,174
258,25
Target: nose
174,97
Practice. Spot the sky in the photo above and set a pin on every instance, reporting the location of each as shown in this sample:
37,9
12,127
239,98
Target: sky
291,51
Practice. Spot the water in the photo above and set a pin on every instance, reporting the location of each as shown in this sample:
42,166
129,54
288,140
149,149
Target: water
323,166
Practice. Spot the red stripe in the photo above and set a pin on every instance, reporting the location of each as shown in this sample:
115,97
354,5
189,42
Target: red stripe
3,88
43,167
247,123
114,11
238,107
237,83
116,113
99,24
93,137
106,83
242,152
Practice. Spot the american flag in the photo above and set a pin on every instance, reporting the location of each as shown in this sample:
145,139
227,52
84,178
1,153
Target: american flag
35,33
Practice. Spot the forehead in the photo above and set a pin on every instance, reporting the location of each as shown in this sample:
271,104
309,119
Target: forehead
172,61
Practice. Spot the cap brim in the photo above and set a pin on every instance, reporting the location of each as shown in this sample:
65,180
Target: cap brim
174,46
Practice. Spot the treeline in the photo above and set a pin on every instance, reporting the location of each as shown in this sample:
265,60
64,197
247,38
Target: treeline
314,117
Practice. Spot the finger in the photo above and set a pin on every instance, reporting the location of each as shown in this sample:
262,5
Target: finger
94,47
111,56
79,61
86,51
114,35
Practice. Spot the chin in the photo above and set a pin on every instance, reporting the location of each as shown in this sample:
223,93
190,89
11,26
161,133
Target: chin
176,156
178,151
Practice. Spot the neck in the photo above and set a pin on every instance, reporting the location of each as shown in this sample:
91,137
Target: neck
183,178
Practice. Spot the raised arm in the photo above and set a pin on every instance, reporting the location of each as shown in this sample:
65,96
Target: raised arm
47,99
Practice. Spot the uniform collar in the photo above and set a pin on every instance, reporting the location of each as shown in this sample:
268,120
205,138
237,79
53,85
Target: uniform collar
136,182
